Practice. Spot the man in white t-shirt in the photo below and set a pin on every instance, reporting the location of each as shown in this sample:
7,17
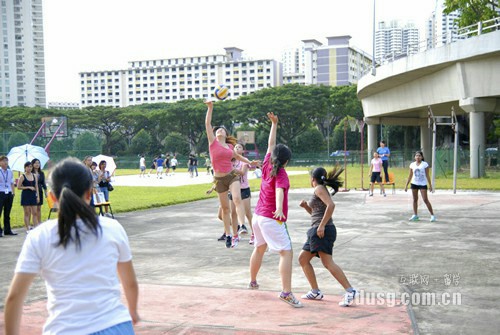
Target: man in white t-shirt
142,166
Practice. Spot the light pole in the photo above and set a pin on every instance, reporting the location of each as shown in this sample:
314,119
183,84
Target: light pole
374,71
326,123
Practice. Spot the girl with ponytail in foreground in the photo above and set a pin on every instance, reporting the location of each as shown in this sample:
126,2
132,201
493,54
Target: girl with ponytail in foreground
321,236
80,256
269,222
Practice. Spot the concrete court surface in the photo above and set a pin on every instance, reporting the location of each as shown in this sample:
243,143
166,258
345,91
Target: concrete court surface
192,284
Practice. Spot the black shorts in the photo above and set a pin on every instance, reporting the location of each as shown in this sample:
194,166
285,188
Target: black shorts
174,167
245,194
314,244
418,187
376,177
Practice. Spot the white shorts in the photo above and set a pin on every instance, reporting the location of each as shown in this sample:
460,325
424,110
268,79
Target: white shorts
272,232
159,169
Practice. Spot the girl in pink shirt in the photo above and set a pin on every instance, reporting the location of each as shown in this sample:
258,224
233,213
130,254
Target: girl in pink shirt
269,221
245,194
375,170
226,179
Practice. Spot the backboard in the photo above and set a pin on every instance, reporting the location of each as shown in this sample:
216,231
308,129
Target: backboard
246,136
52,124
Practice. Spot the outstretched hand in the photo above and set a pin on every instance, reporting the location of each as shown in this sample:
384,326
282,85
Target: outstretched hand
272,117
255,163
209,103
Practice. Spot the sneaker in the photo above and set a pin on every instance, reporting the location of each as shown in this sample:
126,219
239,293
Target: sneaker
385,195
228,242
313,296
252,240
222,238
370,194
291,300
433,218
235,241
253,285
242,230
414,218
348,299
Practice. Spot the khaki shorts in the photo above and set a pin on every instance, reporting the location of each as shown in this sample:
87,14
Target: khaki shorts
222,183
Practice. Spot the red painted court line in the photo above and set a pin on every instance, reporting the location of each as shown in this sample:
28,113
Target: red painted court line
201,310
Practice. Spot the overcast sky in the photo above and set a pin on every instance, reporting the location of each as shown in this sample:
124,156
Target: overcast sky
94,35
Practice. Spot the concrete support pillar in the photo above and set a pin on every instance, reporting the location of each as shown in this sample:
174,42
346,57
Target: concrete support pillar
372,141
426,143
477,144
477,138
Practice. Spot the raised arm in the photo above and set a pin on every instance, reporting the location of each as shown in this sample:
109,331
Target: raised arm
208,122
272,134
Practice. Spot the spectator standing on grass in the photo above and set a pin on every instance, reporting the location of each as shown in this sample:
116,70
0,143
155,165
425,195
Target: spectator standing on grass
42,187
30,196
104,178
83,258
7,192
384,153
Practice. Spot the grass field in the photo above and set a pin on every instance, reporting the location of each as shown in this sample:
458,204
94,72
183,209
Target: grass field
126,199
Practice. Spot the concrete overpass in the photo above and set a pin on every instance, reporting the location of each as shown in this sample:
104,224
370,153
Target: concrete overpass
464,74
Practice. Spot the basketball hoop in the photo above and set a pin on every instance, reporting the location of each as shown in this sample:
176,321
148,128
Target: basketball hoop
353,124
360,124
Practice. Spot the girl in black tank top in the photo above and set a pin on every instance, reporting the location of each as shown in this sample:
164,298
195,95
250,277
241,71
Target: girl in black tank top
321,236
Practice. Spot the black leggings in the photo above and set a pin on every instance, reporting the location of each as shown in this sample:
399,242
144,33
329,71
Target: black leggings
385,165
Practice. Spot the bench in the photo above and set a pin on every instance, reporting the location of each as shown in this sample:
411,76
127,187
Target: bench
391,182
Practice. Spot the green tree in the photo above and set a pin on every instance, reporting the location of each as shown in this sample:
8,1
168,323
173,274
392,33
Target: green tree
141,143
17,139
86,144
472,11
311,141
104,120
176,143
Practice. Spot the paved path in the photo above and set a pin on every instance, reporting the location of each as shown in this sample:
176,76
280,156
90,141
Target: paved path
177,179
192,284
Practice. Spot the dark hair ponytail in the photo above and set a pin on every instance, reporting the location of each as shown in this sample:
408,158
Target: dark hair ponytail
70,180
330,178
279,157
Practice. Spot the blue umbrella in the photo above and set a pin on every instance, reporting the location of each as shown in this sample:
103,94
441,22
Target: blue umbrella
19,155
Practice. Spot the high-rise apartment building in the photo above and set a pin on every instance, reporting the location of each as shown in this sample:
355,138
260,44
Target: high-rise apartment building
441,28
293,60
393,40
22,63
334,64
170,80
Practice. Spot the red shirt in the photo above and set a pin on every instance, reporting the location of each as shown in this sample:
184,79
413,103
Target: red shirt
221,157
267,198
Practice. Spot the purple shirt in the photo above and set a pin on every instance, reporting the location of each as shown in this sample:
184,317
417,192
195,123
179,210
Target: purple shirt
267,198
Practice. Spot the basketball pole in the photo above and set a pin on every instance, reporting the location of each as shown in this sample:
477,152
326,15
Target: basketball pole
37,133
345,156
47,147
